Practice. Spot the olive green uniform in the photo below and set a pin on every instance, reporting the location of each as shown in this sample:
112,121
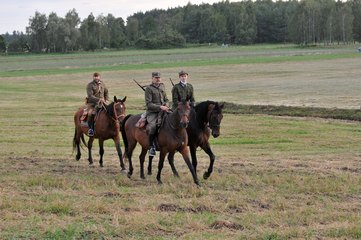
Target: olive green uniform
154,98
182,92
95,92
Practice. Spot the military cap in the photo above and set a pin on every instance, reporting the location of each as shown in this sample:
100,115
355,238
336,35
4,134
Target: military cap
182,73
155,74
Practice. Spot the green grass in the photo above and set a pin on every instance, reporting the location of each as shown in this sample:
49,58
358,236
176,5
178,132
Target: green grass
51,64
275,176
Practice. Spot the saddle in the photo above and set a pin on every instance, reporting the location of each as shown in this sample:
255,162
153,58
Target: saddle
84,117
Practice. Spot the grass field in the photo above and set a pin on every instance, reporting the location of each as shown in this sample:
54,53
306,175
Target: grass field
275,177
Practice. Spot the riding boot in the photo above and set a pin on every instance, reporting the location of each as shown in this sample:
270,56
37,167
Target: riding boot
152,151
91,125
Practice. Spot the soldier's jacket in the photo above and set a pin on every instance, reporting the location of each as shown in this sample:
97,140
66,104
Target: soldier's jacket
182,93
95,92
155,97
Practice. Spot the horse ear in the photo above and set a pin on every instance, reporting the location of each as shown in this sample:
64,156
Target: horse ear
115,99
125,98
221,106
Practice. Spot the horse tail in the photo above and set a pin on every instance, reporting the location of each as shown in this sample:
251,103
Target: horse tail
74,144
124,135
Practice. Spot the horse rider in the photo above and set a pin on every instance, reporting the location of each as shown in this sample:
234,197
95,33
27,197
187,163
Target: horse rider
97,95
182,90
156,102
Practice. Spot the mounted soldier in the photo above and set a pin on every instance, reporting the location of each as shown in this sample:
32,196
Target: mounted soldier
182,90
156,102
97,96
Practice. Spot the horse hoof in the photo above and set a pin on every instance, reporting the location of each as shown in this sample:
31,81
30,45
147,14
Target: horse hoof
149,173
91,165
206,175
176,175
129,175
77,158
160,182
142,177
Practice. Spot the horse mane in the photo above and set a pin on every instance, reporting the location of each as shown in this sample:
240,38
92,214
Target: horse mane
202,110
110,109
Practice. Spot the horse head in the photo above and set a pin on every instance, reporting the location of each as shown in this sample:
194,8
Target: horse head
184,110
119,108
215,118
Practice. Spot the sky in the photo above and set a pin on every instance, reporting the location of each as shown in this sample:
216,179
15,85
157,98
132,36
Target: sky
15,14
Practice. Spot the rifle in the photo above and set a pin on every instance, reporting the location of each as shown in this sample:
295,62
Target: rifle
139,85
170,79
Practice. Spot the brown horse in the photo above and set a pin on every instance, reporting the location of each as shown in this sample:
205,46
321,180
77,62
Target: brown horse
172,137
205,117
107,126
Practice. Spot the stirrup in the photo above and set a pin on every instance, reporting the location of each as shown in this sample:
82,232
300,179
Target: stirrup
152,151
90,132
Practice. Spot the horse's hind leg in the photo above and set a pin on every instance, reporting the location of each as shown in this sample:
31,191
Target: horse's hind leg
141,161
76,143
101,152
90,145
171,163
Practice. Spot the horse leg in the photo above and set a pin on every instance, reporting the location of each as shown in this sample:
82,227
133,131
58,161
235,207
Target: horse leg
193,149
129,153
101,152
160,165
120,154
212,158
90,145
150,165
142,160
185,155
171,163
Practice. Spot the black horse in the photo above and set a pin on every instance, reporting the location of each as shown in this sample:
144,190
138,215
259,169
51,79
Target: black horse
206,117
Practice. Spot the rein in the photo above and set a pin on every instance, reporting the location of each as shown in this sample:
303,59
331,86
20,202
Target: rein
116,117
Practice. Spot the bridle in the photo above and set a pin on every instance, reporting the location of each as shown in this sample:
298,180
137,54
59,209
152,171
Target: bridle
116,117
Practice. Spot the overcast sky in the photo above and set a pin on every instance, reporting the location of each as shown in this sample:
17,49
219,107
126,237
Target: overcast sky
15,14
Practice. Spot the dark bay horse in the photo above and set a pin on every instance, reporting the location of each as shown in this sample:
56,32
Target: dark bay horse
206,117
107,126
172,137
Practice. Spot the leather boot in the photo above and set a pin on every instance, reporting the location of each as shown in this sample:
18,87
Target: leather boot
91,125
152,151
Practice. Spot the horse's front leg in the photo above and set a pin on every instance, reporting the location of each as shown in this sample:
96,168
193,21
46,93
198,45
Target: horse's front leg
101,152
160,165
185,154
207,149
171,163
193,149
90,145
120,154
150,165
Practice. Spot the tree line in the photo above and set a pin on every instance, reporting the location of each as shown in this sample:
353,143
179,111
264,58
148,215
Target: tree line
305,22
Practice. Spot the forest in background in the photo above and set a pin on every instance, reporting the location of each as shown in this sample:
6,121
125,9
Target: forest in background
305,22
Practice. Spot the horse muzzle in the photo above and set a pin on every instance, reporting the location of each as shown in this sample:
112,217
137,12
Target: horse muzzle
184,124
215,134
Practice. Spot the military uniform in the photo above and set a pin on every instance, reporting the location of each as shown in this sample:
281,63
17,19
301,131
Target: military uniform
154,98
95,92
182,91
